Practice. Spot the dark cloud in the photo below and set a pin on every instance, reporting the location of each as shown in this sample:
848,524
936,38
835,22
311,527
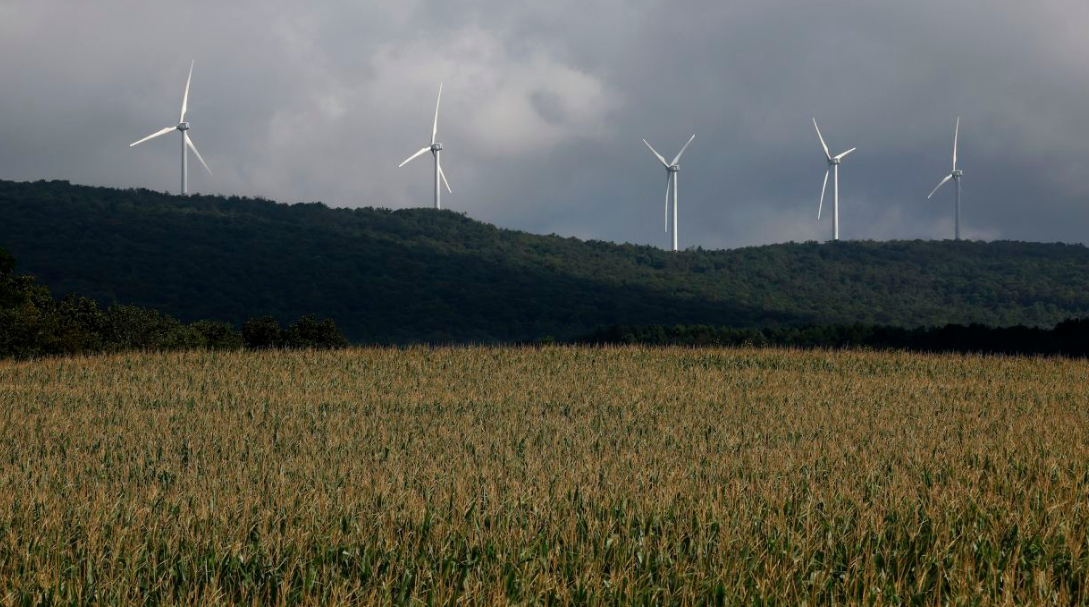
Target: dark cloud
544,106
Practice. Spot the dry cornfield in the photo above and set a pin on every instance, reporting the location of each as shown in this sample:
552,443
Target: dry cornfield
555,475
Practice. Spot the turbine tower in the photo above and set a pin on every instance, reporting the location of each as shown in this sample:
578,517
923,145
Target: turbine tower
955,176
833,167
672,169
186,142
434,148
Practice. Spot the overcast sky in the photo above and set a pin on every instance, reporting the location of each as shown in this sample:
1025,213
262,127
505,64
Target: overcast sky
545,103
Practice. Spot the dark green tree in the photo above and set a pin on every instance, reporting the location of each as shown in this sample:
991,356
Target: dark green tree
310,332
262,333
218,335
135,328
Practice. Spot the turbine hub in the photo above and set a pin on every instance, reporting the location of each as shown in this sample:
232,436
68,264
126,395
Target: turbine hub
676,168
958,174
435,147
183,126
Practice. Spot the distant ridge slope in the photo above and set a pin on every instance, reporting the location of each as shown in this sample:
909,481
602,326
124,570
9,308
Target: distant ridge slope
425,275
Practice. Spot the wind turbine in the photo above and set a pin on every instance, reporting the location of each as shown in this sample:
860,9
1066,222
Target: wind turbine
672,169
955,176
833,167
183,127
434,148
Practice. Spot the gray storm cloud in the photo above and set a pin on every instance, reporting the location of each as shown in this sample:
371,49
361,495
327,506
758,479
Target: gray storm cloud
544,107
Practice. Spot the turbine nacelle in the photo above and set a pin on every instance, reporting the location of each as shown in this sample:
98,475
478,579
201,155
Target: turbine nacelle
675,168
436,147
183,126
958,174
835,161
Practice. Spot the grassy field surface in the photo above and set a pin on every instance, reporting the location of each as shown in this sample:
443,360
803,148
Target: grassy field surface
556,475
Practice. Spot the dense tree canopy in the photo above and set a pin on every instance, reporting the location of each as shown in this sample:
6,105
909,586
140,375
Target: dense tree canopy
34,324
425,275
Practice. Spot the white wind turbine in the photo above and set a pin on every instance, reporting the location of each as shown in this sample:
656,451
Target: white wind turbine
833,167
183,127
434,148
955,176
672,169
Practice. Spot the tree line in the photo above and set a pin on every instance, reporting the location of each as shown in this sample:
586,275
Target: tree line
1068,338
421,275
34,324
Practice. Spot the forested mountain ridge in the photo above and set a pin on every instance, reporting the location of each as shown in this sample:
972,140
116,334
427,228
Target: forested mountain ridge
425,275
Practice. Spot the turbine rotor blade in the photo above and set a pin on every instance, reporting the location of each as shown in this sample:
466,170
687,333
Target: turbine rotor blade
844,155
678,158
443,175
824,188
185,98
939,186
963,194
189,143
435,128
823,144
154,135
414,156
669,182
660,158
956,137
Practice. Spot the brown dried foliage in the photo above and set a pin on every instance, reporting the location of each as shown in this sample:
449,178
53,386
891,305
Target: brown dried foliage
567,475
